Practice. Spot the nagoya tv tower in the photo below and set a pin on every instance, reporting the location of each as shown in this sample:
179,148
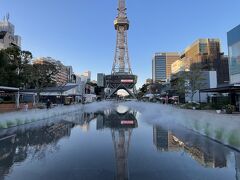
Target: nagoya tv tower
121,76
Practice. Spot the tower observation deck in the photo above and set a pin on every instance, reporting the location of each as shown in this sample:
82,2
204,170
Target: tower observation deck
121,76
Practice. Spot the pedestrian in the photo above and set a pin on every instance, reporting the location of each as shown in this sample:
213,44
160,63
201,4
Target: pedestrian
25,107
48,104
167,99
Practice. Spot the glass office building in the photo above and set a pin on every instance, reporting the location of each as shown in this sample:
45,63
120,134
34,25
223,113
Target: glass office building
234,54
161,66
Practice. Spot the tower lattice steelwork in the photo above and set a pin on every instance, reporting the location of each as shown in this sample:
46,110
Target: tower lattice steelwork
121,76
121,141
121,124
121,62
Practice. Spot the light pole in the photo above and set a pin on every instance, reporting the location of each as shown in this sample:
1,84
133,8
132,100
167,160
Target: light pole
11,57
18,94
83,90
18,84
61,92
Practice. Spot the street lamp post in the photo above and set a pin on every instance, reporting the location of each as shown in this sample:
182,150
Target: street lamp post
18,94
83,90
61,92
11,57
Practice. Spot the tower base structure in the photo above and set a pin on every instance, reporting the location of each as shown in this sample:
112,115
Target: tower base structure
115,82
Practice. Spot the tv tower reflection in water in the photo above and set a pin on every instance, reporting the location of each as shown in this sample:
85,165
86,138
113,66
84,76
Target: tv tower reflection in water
121,121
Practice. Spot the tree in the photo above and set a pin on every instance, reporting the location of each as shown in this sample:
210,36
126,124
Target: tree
26,69
42,76
14,67
155,88
3,67
8,68
178,83
16,70
142,90
194,80
189,82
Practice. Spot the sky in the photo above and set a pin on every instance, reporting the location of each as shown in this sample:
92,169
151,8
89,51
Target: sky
81,32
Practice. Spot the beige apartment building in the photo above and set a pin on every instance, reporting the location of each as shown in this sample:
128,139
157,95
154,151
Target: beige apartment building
207,54
62,77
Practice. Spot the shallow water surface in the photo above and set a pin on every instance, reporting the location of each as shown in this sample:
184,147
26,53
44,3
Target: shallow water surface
112,144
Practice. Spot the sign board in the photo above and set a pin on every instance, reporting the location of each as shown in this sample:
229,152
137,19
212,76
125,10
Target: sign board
127,122
127,81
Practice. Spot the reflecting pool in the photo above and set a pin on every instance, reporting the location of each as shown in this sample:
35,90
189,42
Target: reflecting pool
114,143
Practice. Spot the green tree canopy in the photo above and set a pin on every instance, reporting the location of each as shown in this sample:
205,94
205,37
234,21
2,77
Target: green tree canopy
189,82
16,70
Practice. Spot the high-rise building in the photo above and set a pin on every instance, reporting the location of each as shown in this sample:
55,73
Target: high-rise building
70,74
86,76
234,54
207,54
164,140
161,66
7,34
223,71
78,79
101,80
61,78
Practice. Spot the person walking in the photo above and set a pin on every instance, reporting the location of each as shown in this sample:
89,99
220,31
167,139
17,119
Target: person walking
48,104
25,107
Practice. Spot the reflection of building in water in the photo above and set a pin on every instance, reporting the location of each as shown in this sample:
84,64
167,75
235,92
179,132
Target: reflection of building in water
121,141
83,120
196,146
33,142
121,125
100,122
208,159
237,159
164,140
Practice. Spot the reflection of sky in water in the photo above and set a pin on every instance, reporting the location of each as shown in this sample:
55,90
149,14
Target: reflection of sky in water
122,109
84,145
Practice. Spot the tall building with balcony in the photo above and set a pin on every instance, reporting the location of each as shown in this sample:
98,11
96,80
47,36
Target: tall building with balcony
161,66
7,34
61,78
70,74
207,53
234,54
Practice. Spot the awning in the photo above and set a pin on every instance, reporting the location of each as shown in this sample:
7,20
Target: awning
8,89
224,89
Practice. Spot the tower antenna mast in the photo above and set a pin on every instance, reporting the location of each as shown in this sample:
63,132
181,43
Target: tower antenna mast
121,62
